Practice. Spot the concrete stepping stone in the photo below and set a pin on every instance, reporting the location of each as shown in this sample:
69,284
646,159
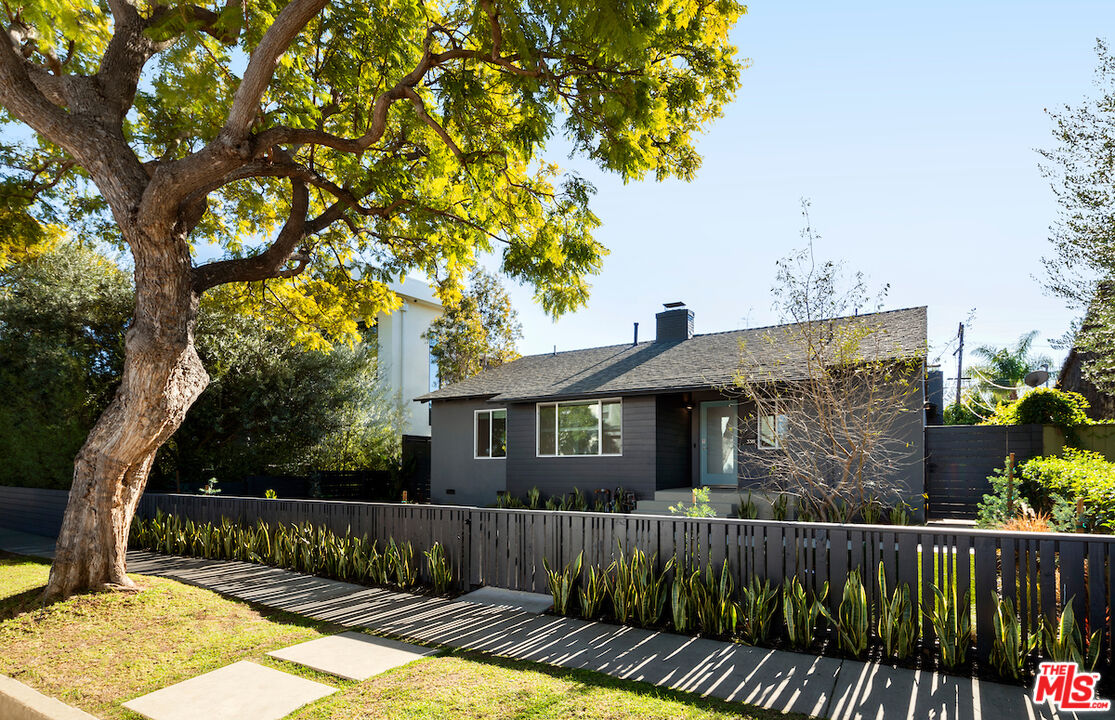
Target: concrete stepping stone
527,601
353,655
240,691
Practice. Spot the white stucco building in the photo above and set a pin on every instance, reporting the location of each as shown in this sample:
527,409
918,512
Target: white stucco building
405,365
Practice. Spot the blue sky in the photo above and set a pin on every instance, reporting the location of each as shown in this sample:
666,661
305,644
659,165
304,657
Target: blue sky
911,127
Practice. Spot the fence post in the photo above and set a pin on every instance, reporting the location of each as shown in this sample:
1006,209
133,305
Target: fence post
1010,487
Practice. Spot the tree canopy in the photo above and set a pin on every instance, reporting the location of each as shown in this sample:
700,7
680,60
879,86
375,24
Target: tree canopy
393,136
272,406
1000,374
1081,169
479,330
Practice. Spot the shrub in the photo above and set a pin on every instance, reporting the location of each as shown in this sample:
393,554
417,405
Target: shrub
441,572
712,597
1054,483
951,618
873,511
681,605
1046,491
960,414
747,509
898,622
994,509
902,514
638,591
1011,649
853,617
1063,641
780,508
1044,406
801,612
1029,521
302,547
562,583
592,593
700,507
757,611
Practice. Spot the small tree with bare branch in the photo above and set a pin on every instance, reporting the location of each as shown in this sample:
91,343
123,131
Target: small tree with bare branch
830,393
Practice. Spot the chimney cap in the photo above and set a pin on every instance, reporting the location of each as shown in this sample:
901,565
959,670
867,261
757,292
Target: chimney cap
672,305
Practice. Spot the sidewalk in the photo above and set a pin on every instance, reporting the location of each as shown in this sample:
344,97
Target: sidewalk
785,681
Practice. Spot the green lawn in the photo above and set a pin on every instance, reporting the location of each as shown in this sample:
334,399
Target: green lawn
97,651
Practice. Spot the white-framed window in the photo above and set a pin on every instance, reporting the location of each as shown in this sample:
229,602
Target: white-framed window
489,434
772,428
579,428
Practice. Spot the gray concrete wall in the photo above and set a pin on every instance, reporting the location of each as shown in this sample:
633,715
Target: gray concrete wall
455,476
634,470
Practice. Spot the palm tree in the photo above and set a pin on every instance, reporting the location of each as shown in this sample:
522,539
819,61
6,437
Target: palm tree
1003,370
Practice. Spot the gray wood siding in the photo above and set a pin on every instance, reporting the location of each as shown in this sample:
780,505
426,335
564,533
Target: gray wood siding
674,440
634,470
452,466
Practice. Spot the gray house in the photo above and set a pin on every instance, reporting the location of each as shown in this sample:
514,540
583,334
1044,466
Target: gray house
651,417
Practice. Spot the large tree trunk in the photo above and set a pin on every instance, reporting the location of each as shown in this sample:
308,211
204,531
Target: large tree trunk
162,378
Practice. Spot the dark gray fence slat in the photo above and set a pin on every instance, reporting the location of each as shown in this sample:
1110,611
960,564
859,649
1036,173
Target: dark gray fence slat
985,549
1097,597
1072,578
963,567
838,563
775,555
928,580
718,544
1047,568
820,561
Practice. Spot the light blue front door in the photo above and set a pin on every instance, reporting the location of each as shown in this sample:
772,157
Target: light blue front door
719,431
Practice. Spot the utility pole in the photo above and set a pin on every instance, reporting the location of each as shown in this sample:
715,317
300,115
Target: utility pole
959,353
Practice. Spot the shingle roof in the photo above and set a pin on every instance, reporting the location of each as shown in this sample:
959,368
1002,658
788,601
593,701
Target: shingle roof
709,360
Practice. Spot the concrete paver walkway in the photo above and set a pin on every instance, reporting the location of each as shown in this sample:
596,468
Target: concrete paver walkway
352,655
240,691
826,687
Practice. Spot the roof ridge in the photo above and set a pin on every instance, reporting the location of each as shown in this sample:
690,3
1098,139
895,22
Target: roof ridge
839,317
722,332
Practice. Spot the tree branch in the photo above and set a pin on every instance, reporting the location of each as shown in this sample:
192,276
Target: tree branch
420,107
21,96
268,264
261,67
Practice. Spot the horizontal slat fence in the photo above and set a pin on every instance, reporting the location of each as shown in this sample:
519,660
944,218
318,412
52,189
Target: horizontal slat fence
37,511
507,548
